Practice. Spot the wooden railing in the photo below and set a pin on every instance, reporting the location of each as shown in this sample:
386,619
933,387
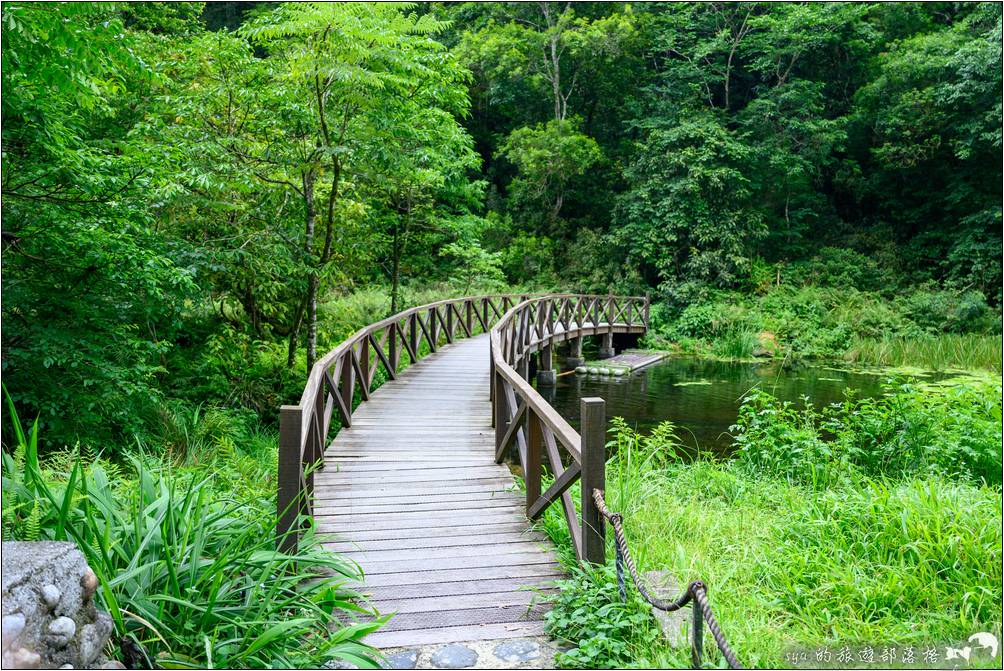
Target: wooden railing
523,418
391,344
335,379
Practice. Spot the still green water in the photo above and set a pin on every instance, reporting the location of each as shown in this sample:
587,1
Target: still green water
701,396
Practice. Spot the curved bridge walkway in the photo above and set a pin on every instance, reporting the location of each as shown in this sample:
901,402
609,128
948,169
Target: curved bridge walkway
414,488
434,522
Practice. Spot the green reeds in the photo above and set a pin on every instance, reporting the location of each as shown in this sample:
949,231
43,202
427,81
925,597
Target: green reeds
941,352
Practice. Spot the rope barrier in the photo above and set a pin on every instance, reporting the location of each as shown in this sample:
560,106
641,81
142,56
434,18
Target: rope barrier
696,591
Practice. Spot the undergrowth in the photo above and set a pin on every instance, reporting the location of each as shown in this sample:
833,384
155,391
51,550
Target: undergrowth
186,561
893,539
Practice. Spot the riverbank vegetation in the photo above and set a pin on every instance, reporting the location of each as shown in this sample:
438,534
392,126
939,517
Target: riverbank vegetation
924,327
201,199
872,522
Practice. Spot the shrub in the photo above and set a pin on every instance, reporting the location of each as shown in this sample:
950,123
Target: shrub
909,431
607,633
825,322
948,311
841,268
775,437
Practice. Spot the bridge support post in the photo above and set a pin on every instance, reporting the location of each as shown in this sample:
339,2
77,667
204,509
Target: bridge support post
607,348
546,376
575,356
289,499
593,418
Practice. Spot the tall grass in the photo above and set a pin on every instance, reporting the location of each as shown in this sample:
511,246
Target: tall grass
191,579
735,343
940,352
907,557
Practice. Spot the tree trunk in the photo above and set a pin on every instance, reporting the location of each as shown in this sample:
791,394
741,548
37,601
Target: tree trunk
313,280
395,272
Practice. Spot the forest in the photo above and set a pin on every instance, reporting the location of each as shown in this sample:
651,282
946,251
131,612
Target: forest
201,199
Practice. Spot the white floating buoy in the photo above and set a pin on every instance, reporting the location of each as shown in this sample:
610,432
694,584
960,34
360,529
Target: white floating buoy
581,369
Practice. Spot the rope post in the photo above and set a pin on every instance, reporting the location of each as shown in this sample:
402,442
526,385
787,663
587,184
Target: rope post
289,494
697,636
593,414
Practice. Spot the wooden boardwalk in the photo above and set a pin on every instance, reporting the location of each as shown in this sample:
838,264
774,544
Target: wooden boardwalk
413,493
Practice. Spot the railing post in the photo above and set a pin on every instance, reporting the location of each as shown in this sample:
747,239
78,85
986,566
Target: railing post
491,377
499,422
364,365
434,328
395,356
469,316
288,501
449,322
348,384
534,458
413,334
647,303
594,428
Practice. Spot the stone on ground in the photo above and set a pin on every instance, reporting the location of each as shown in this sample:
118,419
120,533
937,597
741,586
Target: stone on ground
676,625
517,653
454,657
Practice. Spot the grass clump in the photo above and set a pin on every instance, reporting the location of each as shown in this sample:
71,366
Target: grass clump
872,522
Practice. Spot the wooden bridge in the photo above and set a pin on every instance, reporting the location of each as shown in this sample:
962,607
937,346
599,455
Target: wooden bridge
430,402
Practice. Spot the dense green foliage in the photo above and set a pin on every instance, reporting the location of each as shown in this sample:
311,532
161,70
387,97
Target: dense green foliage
730,134
186,187
880,531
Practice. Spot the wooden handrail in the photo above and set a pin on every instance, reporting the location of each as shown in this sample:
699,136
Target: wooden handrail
397,340
522,417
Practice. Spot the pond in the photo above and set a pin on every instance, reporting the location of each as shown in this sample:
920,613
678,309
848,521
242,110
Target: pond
702,396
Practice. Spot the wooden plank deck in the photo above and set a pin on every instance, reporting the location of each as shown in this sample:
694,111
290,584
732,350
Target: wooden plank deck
414,495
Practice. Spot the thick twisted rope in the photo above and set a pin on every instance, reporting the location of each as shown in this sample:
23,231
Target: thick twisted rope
696,591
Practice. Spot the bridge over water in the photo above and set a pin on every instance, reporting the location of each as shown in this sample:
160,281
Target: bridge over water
430,402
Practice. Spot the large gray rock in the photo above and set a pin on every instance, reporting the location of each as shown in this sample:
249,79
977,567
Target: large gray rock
49,617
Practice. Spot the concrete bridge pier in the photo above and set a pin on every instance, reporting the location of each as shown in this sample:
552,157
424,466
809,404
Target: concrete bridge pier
546,375
607,346
574,357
